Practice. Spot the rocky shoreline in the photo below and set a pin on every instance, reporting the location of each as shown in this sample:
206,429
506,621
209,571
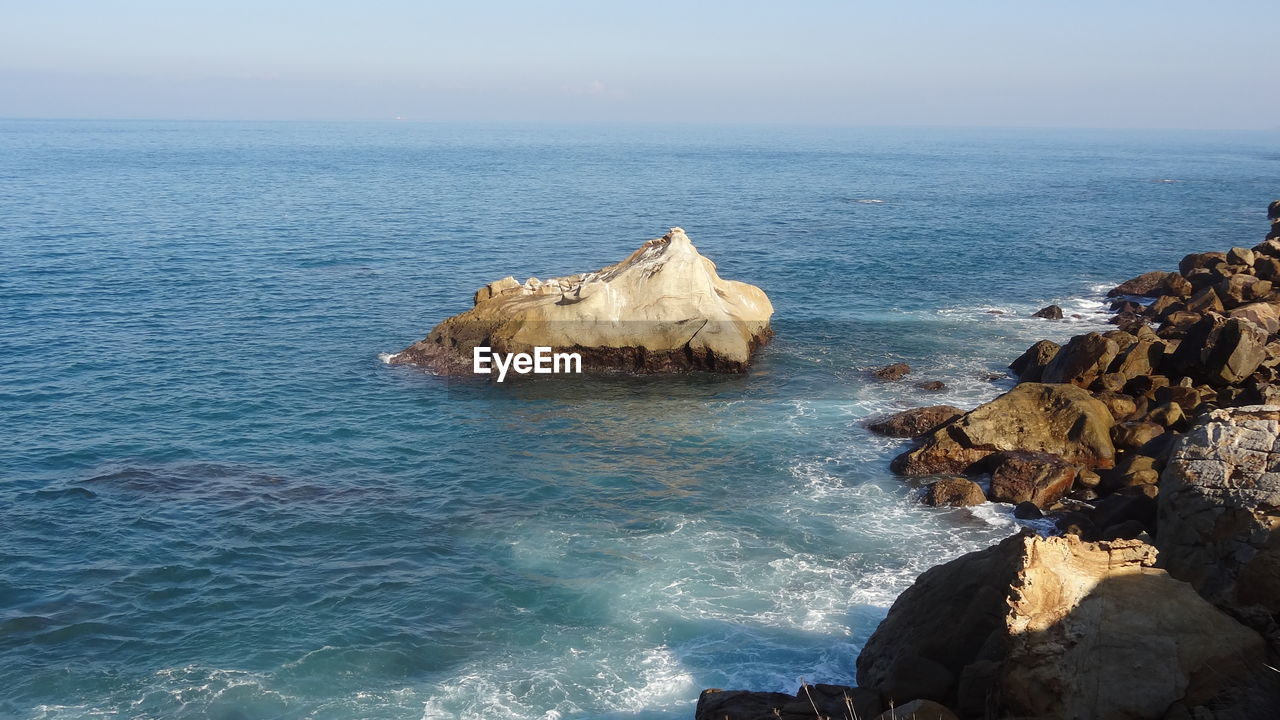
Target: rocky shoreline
1154,451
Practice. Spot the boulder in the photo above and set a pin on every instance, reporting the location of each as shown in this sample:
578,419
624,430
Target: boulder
1060,628
1219,509
1019,476
1141,358
915,422
1267,248
1219,350
1175,285
1238,290
1121,406
1060,419
1133,435
1204,301
662,309
953,491
1030,365
917,710
932,385
1146,285
1197,261
1240,256
834,702
1049,312
892,373
1265,315
1081,360
1161,308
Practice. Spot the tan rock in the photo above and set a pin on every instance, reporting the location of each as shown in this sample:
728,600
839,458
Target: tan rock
1059,628
664,308
1081,360
953,491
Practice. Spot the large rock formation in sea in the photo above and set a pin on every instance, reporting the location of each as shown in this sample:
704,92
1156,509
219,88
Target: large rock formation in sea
1059,628
664,308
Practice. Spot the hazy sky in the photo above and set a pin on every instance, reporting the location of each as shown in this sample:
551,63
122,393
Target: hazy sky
1119,63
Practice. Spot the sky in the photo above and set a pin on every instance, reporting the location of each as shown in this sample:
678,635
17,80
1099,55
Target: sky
1023,63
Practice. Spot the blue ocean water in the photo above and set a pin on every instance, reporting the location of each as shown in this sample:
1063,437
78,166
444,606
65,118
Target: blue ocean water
218,502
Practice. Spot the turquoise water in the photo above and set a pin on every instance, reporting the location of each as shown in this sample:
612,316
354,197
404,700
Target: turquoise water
218,502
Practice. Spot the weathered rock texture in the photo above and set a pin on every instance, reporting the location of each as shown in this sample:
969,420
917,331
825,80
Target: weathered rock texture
1219,512
1063,420
1057,628
664,308
914,422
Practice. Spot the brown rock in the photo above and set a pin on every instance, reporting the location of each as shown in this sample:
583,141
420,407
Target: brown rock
1050,312
1030,365
953,491
1145,285
1201,260
1267,267
1057,628
1204,301
1019,476
915,422
1265,315
932,385
1121,407
1133,435
1238,290
1059,419
1175,285
1081,360
1161,308
1141,358
1267,248
1240,256
1168,415
893,372
1128,321
1220,351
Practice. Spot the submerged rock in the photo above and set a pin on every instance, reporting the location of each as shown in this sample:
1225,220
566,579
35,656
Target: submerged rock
1057,628
662,309
893,372
1048,312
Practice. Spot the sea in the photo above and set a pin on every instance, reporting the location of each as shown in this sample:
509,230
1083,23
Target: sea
217,501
